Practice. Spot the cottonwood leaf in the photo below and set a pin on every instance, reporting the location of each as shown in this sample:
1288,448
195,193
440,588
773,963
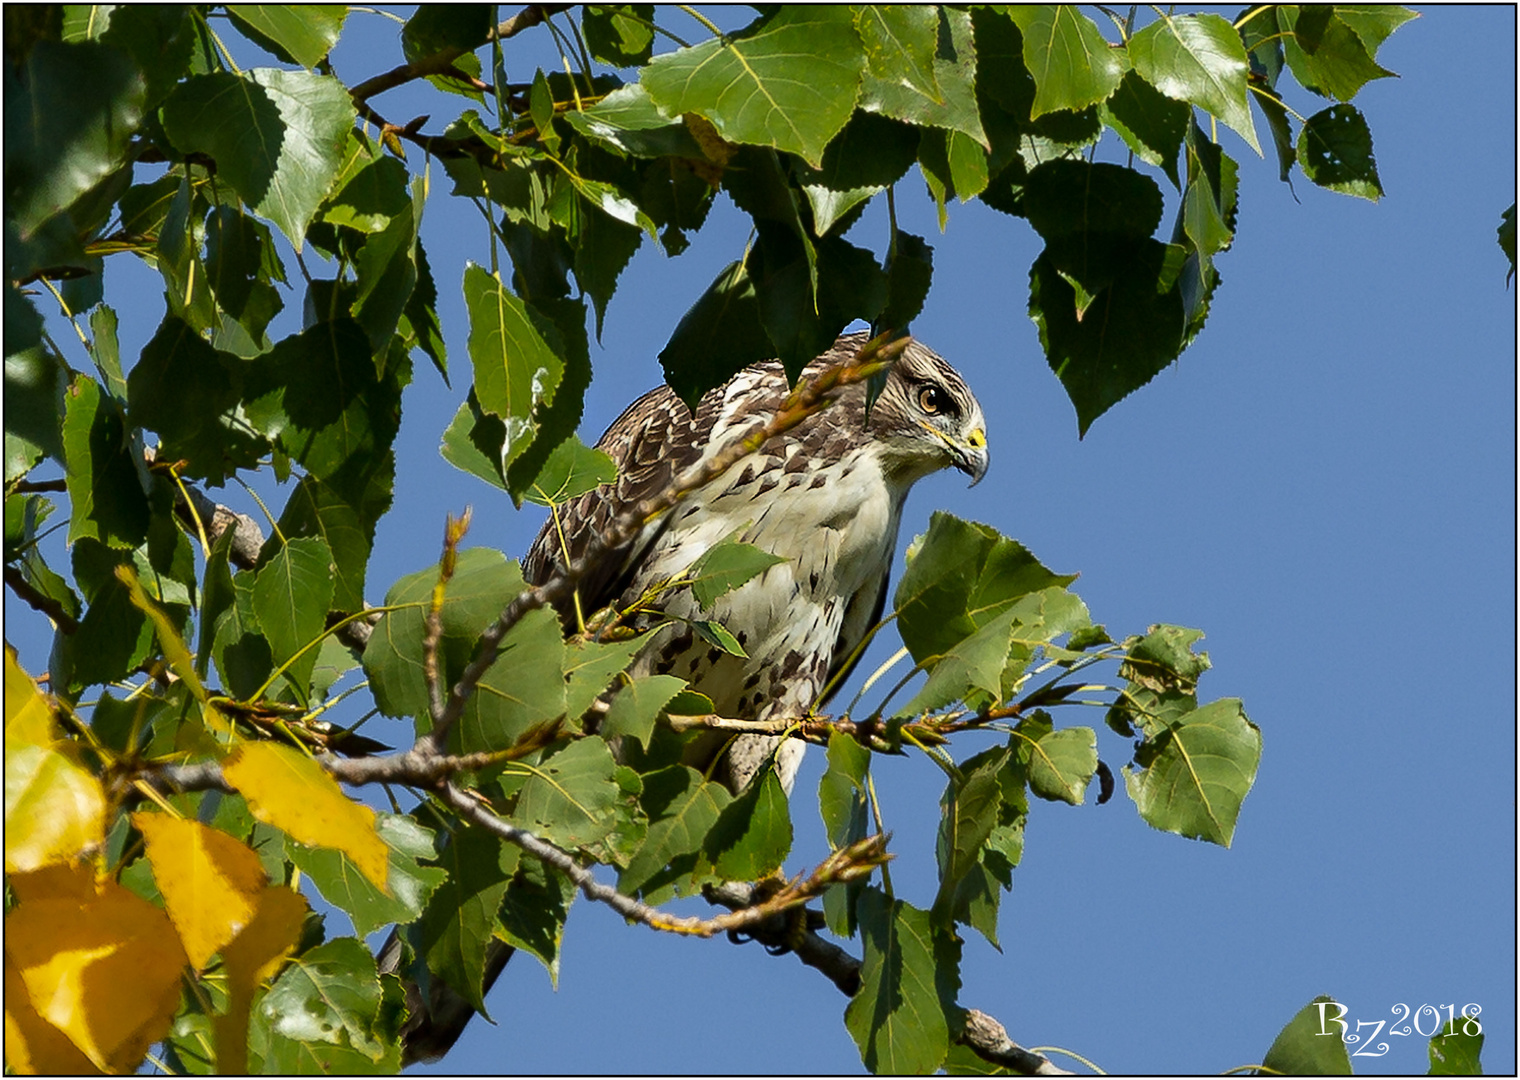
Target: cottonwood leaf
296,33
1198,59
249,961
106,971
753,834
902,1016
211,883
461,917
682,809
638,705
329,994
409,884
1192,776
788,82
1062,763
277,137
725,567
569,799
54,807
1072,65
290,791
1300,1050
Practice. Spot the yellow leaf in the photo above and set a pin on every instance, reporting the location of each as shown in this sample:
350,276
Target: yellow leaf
32,1045
54,808
58,881
210,882
290,791
168,638
27,717
252,959
105,972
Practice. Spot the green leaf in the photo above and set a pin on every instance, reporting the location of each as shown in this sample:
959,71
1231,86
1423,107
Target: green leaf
1335,150
104,483
960,577
629,120
788,82
434,28
563,325
1373,23
726,566
1198,59
291,597
569,798
1301,1050
317,396
844,806
1108,341
753,834
409,883
158,37
802,325
534,910
902,1016
717,337
329,994
890,88
460,919
516,371
186,391
1150,123
34,391
573,469
315,509
473,442
682,809
619,34
591,667
1192,777
68,124
277,137
638,705
1073,67
868,155
908,275
1325,54
1457,1050
524,687
419,319
973,663
296,33
969,812
371,195
900,45
483,583
1062,763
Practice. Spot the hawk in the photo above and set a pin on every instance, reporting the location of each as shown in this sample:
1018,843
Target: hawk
825,497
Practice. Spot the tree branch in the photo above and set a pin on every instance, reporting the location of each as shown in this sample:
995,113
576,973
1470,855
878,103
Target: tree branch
981,1034
38,601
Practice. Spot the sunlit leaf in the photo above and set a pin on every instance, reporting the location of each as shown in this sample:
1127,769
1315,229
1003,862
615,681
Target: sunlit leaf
211,882
290,791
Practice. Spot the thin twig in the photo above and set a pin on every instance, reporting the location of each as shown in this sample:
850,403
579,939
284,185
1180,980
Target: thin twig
38,601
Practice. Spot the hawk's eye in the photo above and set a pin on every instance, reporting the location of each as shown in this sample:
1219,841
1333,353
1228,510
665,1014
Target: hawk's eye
933,400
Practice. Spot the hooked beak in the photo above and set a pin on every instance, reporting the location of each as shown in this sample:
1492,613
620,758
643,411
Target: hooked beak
971,456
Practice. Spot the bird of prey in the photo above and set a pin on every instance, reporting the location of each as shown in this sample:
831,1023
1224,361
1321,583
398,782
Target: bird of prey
826,497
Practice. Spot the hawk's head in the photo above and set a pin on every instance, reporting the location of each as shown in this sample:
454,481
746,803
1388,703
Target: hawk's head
928,418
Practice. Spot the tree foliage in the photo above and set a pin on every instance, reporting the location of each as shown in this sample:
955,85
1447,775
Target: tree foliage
178,783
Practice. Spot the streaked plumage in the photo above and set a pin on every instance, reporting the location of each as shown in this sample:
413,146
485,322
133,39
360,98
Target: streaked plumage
826,497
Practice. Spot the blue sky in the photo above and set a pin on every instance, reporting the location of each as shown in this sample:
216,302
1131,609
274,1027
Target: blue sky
1324,483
